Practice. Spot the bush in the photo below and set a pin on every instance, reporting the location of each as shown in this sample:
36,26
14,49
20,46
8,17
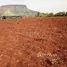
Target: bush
50,14
60,14
66,14
38,14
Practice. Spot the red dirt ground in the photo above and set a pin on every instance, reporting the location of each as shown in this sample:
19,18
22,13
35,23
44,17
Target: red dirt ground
33,42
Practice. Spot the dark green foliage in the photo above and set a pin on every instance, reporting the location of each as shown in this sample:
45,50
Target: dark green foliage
50,14
38,14
41,14
60,14
66,14
44,14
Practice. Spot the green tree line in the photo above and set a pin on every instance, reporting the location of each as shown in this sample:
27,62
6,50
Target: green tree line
51,14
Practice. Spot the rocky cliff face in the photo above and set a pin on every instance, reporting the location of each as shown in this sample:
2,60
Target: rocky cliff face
16,10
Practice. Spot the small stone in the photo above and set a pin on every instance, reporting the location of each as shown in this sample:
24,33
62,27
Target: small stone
17,61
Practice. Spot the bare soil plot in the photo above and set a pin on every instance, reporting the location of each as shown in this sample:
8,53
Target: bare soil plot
33,42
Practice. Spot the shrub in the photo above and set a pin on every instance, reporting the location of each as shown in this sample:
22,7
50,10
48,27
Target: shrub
66,14
38,14
60,14
50,14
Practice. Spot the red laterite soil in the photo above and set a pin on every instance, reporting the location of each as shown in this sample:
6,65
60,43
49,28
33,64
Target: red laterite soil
33,42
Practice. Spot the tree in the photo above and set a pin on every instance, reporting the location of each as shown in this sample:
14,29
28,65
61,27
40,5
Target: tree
66,14
50,14
45,14
38,14
60,14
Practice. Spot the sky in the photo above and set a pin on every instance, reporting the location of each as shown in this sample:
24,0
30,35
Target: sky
40,5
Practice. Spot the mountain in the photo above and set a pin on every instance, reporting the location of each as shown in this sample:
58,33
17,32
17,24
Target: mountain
10,10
